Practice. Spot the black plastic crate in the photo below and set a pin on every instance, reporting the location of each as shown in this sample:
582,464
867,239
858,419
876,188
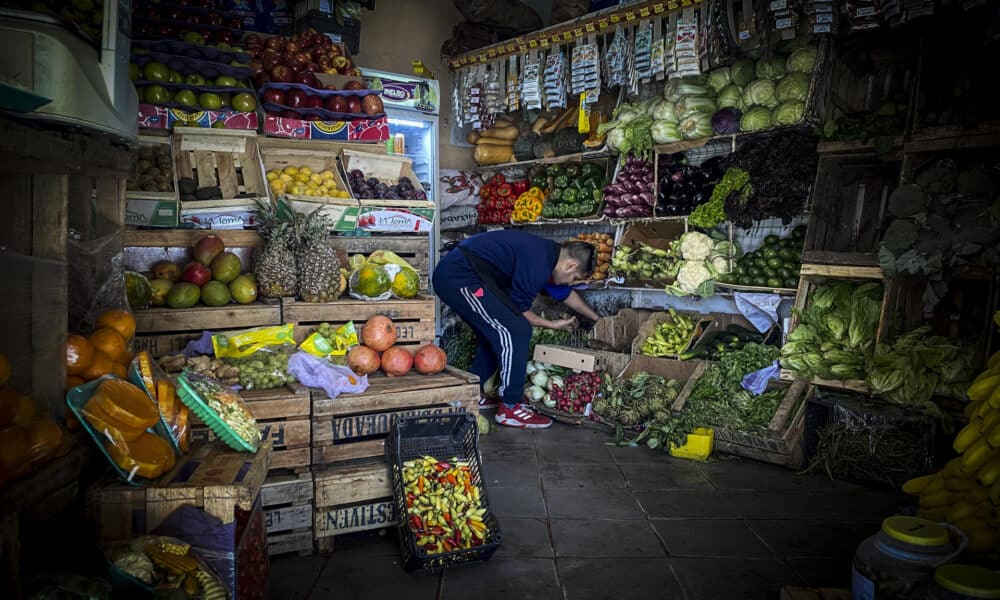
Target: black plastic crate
443,437
873,430
349,32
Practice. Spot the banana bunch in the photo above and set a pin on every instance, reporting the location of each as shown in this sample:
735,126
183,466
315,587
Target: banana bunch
966,492
671,337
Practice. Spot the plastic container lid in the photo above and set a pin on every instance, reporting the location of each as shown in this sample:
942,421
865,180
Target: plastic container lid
968,580
190,397
915,531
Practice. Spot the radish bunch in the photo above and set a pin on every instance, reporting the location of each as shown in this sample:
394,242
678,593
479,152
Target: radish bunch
577,391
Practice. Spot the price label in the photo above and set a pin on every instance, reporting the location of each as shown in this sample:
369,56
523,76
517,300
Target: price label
644,11
658,8
779,5
473,60
544,42
578,32
629,15
783,23
532,43
590,28
510,48
744,35
491,52
865,12
603,23
567,35
615,18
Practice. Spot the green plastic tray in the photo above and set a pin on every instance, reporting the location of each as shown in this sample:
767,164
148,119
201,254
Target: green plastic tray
208,415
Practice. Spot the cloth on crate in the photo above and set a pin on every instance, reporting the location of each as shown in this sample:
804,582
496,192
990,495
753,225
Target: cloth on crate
759,309
756,382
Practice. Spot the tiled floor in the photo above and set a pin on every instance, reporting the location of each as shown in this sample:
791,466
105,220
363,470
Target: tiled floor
582,520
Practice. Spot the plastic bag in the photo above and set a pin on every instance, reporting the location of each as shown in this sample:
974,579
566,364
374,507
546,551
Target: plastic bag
333,379
756,382
241,344
326,342
66,586
175,418
118,416
381,276
221,408
96,270
154,563
265,369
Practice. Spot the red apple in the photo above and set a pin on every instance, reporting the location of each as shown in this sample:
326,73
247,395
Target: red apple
195,19
290,114
252,40
256,64
295,98
214,18
275,43
197,274
355,72
334,50
259,79
341,63
255,52
314,101
353,104
292,47
325,62
301,58
271,59
330,87
306,78
295,67
336,104
273,96
282,74
234,23
312,67
354,85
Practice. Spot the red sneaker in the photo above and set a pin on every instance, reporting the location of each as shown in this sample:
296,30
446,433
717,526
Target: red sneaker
488,402
521,416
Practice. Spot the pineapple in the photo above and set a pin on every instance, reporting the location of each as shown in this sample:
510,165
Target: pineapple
319,269
274,261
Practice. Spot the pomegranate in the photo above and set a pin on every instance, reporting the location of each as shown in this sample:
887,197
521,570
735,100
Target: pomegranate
363,360
197,274
429,359
207,249
396,361
379,333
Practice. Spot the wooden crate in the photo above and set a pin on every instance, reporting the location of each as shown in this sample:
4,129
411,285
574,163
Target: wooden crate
355,425
351,498
848,207
168,330
287,499
283,416
656,234
154,141
211,476
414,318
226,158
413,248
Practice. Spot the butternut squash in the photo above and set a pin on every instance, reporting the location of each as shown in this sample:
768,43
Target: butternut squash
494,142
500,133
492,154
472,137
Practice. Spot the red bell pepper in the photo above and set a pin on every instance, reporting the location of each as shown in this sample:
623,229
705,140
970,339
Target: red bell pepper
498,179
520,186
504,190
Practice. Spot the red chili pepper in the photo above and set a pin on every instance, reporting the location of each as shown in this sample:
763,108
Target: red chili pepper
447,546
458,537
416,522
436,530
451,479
409,502
447,518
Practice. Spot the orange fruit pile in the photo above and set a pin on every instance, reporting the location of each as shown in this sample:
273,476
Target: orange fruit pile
104,352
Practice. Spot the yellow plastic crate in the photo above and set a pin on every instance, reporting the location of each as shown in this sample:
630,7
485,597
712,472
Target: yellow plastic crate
698,446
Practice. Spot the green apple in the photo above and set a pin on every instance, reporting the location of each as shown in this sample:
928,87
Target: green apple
194,37
156,94
194,79
236,63
219,125
133,72
175,77
224,47
187,98
244,102
225,98
154,71
226,81
210,101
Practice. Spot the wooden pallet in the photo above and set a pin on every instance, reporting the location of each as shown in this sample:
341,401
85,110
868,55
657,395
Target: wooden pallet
354,426
226,158
413,248
414,318
211,476
164,331
283,416
351,498
287,499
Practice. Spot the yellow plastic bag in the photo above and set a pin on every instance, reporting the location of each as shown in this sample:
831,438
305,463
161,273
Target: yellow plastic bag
387,257
337,343
244,343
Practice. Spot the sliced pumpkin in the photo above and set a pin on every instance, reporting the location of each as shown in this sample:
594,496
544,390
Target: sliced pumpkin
148,455
125,403
104,423
145,363
166,398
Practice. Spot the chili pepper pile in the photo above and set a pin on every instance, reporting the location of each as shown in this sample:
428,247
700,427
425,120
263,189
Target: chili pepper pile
443,506
528,206
497,198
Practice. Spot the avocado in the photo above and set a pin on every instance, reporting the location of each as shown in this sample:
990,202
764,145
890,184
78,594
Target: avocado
186,185
208,193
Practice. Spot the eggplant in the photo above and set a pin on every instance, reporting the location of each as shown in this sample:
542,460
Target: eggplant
630,187
677,177
647,199
614,189
698,198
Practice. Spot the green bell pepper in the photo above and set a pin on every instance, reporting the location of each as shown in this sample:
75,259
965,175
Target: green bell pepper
560,182
569,195
573,170
592,169
540,181
554,170
554,196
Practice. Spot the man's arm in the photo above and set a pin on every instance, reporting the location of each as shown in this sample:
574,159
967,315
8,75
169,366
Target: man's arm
576,302
537,321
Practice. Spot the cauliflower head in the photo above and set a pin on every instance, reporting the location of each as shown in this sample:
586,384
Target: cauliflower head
720,264
691,275
696,246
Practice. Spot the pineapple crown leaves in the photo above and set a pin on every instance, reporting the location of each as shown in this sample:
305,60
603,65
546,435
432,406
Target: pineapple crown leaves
311,227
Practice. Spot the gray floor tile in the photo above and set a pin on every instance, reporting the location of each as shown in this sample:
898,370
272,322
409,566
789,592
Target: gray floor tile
617,578
506,437
510,467
350,574
564,435
591,504
665,475
577,476
574,453
524,538
729,473
710,537
813,538
639,454
503,578
523,501
819,505
592,538
675,504
714,578
294,577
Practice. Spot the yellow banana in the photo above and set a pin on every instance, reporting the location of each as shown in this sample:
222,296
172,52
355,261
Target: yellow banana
994,361
977,455
935,500
992,437
971,408
967,435
994,397
989,372
995,495
914,486
989,472
957,511
983,387
959,484
936,484
978,494
990,420
953,466
983,408
971,523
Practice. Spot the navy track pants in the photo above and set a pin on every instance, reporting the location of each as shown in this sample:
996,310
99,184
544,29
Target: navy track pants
503,335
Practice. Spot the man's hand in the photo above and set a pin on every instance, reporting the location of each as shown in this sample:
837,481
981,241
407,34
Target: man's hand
569,324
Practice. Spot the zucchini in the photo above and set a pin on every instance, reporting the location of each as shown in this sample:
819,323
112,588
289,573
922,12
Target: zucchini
747,335
693,354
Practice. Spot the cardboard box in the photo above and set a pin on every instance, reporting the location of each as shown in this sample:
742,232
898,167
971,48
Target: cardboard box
668,368
219,218
581,359
657,234
161,117
648,328
617,332
140,212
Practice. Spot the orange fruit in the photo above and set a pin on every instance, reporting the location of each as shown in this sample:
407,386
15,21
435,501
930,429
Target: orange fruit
72,423
25,411
79,354
4,369
44,439
110,342
119,370
120,320
9,402
73,381
100,365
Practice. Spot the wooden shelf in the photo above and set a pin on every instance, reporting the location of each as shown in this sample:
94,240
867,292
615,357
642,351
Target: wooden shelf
858,259
555,160
952,139
854,147
186,238
844,271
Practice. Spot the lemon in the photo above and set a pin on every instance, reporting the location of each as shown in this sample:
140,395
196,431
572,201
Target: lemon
305,170
298,189
302,177
328,174
290,170
343,194
278,186
272,175
286,178
316,178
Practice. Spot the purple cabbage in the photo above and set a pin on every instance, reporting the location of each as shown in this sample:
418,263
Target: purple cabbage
726,121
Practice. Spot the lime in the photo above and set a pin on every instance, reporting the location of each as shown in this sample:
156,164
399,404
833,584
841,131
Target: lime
771,240
754,272
791,283
799,232
769,272
761,262
769,251
773,282
784,272
759,281
155,71
774,262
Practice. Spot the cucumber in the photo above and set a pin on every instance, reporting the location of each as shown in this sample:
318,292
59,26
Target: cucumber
745,334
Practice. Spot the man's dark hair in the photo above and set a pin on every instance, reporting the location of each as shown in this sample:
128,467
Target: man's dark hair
583,253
